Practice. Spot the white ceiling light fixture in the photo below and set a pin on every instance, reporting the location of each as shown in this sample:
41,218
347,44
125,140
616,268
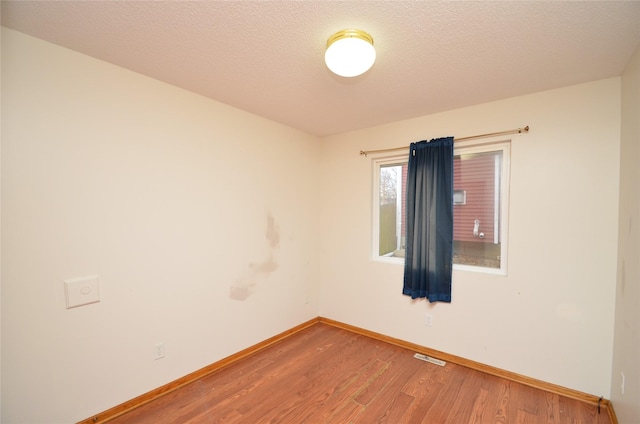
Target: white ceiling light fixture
350,53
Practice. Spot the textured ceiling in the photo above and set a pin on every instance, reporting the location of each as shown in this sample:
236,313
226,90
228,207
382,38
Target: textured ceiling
266,57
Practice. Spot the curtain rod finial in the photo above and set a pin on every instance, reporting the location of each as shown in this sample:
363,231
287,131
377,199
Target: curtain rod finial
363,153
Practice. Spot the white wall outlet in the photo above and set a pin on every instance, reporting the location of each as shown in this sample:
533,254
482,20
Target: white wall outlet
622,383
428,320
81,291
158,351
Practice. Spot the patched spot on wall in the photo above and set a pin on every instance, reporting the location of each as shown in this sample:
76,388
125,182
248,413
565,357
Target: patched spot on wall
266,267
245,285
239,292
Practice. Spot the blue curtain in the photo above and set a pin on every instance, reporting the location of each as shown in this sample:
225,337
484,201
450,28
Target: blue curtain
429,238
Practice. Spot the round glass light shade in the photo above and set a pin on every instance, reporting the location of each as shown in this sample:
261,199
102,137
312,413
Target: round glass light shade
350,53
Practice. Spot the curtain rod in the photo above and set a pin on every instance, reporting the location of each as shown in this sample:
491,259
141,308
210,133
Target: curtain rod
472,137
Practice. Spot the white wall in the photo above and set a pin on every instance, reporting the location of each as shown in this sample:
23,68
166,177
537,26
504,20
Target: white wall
552,317
626,347
171,199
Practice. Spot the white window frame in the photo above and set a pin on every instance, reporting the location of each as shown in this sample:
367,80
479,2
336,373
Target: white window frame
375,245
468,147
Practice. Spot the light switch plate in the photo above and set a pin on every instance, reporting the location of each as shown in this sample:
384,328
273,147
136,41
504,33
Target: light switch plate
82,291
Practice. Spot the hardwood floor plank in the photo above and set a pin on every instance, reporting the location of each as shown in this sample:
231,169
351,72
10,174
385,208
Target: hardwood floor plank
422,404
524,417
495,390
427,375
303,378
342,396
462,408
375,384
332,388
502,402
324,374
552,409
382,396
424,386
346,415
310,379
479,408
446,397
527,399
392,413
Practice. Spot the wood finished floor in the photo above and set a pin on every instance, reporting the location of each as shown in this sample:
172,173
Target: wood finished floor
328,375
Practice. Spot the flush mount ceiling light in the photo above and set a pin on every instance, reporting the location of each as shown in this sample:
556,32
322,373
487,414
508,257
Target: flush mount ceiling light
350,53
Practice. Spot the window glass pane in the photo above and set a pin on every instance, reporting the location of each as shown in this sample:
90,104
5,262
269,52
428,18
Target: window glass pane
476,210
391,212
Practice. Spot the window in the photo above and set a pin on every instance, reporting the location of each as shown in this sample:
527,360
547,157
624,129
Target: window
480,200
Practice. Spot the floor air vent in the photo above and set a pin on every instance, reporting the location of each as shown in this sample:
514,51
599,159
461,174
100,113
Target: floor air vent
429,359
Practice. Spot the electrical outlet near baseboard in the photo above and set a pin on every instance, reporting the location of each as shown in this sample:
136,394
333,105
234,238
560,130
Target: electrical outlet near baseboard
428,320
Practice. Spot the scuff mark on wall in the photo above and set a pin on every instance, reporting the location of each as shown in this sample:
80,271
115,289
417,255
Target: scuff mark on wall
240,291
245,285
